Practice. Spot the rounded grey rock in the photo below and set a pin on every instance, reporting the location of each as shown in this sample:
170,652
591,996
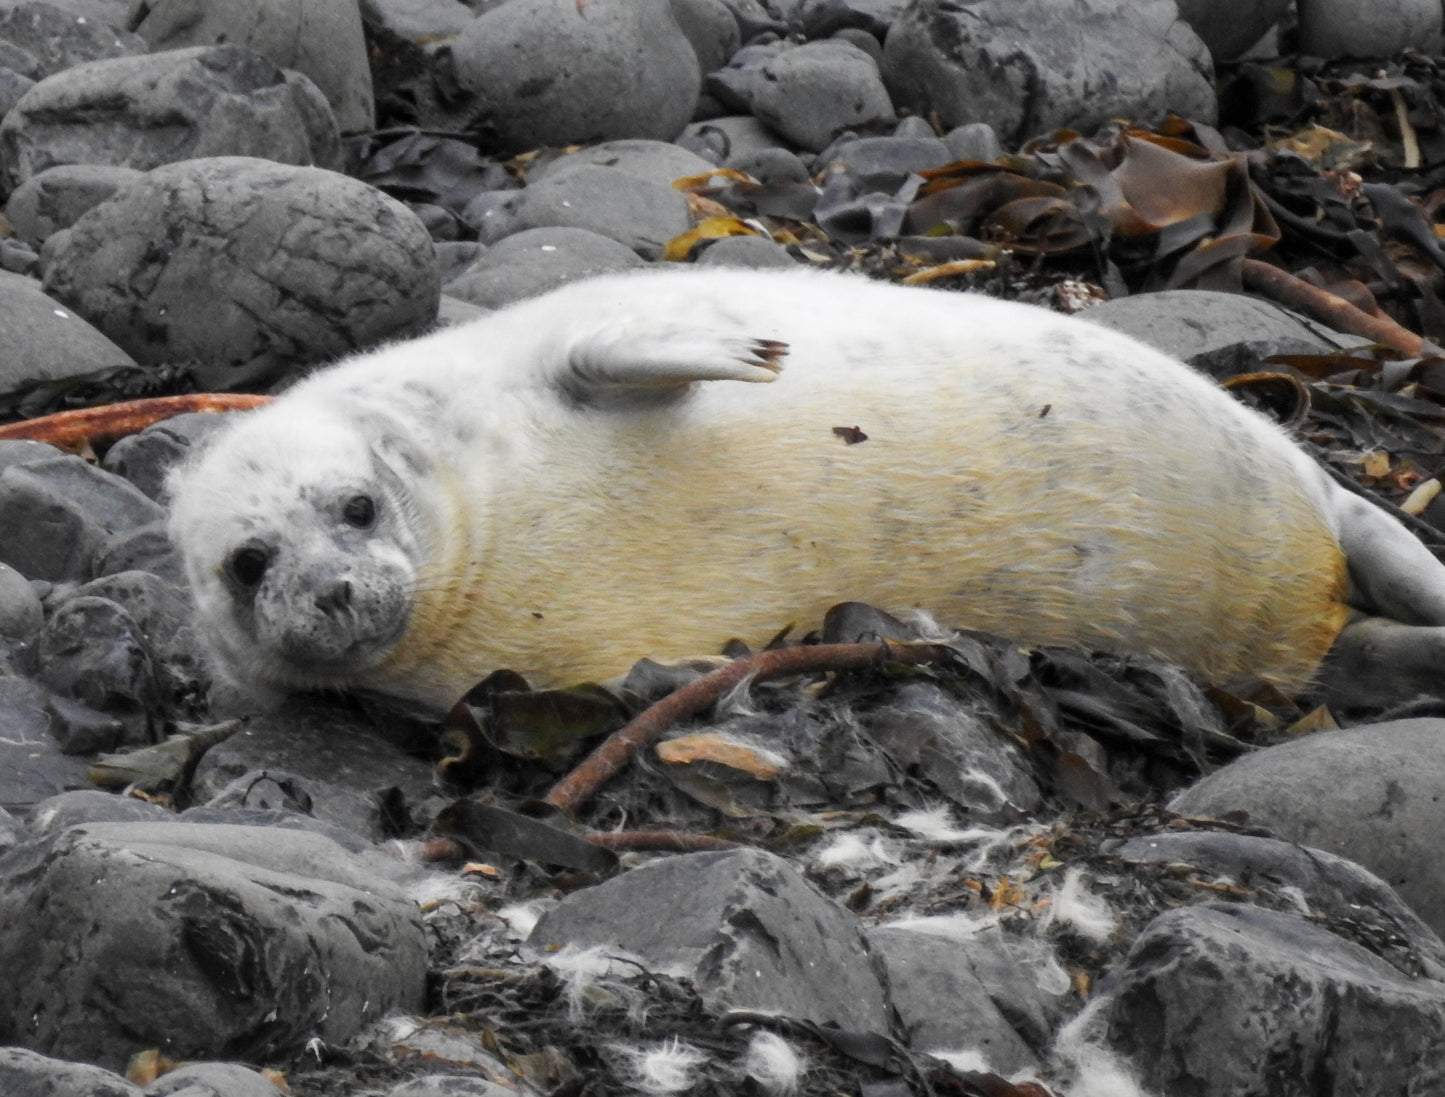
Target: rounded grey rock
818,90
729,136
418,21
973,141
246,265
1229,27
654,161
636,212
1027,67
92,651
61,36
147,457
321,38
1369,794
537,260
546,73
756,252
1381,28
55,198
211,1080
27,1074
710,28
45,340
20,610
142,112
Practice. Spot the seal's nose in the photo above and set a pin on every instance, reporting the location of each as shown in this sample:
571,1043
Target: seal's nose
335,599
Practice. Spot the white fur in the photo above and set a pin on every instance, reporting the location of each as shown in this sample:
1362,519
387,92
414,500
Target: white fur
668,1067
773,1063
1075,909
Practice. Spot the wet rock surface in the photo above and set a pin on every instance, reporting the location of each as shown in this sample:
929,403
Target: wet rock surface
953,880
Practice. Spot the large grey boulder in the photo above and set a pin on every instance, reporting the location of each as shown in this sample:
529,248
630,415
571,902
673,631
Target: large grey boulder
1238,1001
142,112
551,72
246,265
321,38
203,941
1030,66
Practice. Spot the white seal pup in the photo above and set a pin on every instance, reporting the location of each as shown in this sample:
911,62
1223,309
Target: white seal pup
653,463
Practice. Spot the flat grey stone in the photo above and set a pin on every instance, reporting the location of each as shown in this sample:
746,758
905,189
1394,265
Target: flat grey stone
1333,888
744,926
942,1003
248,267
1030,66
537,260
1191,324
27,1074
546,74
325,755
1369,794
32,766
61,512
212,941
321,38
142,112
636,212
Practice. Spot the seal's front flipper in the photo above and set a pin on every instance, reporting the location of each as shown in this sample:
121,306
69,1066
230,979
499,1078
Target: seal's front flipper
625,362
1376,662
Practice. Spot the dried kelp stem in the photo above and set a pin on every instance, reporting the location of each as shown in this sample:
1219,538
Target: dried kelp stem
108,422
1338,313
660,841
583,782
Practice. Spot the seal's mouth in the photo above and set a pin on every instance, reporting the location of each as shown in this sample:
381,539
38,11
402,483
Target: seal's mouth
329,657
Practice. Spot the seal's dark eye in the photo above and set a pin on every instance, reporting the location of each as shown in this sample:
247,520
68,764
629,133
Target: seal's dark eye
359,511
247,565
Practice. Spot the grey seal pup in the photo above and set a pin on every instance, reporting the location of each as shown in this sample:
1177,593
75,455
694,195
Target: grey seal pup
653,463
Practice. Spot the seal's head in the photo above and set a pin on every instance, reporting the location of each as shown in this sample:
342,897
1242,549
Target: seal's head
301,544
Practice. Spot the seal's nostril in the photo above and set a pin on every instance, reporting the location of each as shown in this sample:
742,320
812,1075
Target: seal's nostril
336,598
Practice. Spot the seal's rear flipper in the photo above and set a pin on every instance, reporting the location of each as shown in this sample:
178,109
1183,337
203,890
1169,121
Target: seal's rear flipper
1377,662
1392,574
622,360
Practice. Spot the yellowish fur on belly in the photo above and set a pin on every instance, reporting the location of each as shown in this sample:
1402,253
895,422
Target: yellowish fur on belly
637,534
